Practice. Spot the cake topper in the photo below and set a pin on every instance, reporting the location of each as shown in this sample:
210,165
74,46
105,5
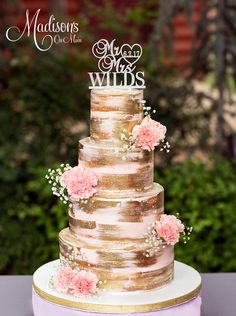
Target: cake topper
117,66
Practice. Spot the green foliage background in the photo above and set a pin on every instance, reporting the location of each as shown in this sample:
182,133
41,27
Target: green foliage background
205,197
42,99
44,104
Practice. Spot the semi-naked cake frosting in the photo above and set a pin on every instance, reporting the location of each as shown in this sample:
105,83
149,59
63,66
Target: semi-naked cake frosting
107,233
117,255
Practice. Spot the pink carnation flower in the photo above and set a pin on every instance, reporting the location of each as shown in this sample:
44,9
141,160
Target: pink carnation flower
78,283
148,134
63,279
79,182
84,284
169,228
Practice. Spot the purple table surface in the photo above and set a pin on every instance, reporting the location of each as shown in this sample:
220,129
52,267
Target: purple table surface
218,294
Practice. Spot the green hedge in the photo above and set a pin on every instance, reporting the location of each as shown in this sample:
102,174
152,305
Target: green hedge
205,197
41,119
32,227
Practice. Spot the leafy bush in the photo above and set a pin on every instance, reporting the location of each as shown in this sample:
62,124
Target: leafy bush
41,119
205,197
34,225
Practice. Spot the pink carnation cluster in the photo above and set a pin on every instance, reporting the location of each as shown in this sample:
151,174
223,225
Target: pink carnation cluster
79,182
169,228
148,134
78,283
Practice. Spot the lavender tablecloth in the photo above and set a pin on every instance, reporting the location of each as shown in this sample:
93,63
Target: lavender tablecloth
218,295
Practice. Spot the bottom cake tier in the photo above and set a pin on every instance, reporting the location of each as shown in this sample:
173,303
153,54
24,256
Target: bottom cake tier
123,268
181,297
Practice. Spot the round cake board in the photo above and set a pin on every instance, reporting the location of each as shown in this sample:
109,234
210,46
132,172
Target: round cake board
181,297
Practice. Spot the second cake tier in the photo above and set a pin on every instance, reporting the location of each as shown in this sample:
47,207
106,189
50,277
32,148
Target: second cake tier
119,172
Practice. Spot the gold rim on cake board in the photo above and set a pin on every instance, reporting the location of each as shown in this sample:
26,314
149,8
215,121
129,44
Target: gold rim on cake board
118,308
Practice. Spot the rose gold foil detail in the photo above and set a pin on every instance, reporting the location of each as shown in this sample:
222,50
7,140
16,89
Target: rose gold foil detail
118,267
106,234
134,173
131,281
113,112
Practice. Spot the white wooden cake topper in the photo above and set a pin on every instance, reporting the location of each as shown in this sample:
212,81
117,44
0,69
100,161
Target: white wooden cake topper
116,65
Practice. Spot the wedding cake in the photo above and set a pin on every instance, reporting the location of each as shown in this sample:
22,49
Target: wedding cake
117,255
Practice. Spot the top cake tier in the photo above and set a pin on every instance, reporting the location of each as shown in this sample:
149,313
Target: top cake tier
113,112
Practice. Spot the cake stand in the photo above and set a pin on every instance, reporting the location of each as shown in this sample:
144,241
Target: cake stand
181,297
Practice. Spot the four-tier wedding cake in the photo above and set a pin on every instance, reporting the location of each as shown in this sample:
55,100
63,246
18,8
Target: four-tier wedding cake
117,255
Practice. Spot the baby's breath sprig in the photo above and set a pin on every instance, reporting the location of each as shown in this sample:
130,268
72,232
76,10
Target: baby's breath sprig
53,177
165,146
187,231
148,111
152,241
186,234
